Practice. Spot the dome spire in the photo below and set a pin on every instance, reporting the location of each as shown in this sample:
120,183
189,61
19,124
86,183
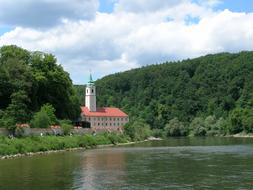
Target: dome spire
90,79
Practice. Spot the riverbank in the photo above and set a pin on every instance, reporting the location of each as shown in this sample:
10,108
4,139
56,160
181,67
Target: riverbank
16,147
30,146
243,135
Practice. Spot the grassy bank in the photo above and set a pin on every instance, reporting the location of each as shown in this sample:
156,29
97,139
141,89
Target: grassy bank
49,143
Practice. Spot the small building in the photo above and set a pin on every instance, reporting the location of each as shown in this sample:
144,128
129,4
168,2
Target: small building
104,118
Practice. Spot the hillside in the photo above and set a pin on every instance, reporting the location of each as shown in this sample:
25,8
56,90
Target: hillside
29,80
210,85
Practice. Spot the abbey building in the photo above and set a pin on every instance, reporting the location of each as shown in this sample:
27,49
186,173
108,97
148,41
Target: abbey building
110,118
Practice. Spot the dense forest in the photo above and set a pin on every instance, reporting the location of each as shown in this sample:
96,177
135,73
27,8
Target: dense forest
214,88
211,94
31,80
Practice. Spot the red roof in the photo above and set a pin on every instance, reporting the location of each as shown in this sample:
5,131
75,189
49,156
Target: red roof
103,112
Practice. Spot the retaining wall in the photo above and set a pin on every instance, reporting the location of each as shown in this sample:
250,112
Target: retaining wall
27,131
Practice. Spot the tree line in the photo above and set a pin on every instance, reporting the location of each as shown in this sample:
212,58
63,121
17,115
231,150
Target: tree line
31,80
212,94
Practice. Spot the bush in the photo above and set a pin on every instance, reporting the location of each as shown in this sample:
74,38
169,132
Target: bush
137,130
175,128
157,133
8,122
40,120
241,119
50,111
66,126
19,132
197,127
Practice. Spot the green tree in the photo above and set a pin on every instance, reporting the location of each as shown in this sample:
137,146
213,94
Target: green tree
29,80
175,128
208,85
197,127
50,111
40,120
137,130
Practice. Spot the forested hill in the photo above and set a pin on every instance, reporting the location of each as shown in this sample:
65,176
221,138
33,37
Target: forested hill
210,85
29,80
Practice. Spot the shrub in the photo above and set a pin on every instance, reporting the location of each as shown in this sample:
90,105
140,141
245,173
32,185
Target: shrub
175,128
19,132
40,120
66,128
50,111
157,133
197,127
137,130
241,119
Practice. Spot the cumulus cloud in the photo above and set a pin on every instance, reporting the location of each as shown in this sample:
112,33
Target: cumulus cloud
139,6
125,39
45,13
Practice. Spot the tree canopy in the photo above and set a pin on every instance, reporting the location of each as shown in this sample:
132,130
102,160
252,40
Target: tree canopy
29,80
210,85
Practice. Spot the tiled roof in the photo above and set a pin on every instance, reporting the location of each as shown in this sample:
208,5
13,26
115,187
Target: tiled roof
103,112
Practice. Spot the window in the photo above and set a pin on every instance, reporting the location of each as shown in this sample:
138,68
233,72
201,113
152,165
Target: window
118,119
87,91
98,124
113,119
121,119
92,90
126,118
105,124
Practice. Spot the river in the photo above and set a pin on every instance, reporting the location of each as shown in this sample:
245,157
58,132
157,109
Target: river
177,163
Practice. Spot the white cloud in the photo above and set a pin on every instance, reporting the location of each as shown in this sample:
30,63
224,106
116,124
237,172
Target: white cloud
127,39
45,13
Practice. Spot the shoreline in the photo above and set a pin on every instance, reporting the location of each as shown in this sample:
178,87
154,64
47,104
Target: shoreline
242,135
5,157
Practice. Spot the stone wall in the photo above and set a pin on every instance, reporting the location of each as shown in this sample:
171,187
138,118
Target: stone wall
4,132
27,131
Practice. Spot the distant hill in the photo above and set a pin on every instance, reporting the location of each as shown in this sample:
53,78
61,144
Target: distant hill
209,85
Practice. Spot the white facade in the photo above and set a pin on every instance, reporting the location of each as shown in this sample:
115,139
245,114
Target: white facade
90,96
106,121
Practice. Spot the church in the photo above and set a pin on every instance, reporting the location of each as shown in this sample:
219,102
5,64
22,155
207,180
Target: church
104,118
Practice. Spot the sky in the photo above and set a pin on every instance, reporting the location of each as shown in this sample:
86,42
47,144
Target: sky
109,36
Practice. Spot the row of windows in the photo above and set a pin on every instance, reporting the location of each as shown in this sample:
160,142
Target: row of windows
105,119
108,124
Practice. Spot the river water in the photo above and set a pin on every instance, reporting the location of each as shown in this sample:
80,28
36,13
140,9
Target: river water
180,163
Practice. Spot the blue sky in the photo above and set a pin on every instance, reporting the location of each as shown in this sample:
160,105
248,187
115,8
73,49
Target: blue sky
109,36
237,5
233,5
106,6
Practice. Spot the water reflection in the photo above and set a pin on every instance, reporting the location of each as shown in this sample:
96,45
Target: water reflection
204,163
105,166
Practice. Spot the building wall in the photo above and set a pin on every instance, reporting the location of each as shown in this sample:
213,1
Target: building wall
106,121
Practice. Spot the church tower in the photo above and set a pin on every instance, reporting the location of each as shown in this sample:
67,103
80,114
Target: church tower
90,96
